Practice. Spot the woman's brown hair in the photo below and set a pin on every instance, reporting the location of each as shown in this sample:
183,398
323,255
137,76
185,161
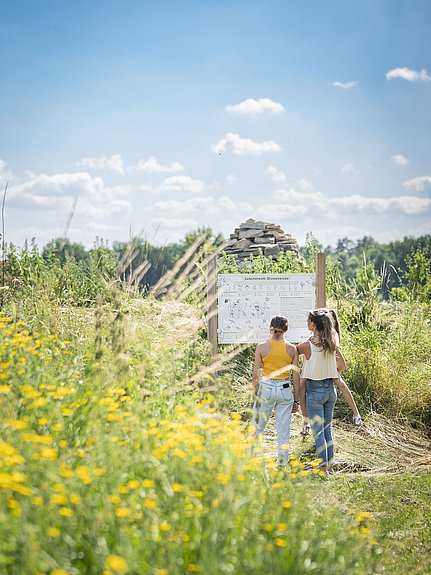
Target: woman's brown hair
279,324
322,319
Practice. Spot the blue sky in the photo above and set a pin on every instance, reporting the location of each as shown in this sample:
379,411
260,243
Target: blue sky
157,118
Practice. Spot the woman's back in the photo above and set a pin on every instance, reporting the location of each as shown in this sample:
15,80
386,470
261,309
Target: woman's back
320,365
277,359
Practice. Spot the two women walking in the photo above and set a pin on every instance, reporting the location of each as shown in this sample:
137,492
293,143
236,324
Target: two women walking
315,391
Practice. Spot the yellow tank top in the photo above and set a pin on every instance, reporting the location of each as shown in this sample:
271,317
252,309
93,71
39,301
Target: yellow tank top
276,360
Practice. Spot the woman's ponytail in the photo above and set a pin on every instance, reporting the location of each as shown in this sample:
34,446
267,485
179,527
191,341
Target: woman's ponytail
323,322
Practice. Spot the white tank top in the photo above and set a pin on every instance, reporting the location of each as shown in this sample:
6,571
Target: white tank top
321,365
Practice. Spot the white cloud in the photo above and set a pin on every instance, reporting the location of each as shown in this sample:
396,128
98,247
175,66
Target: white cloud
113,163
56,192
231,179
305,185
152,166
399,160
301,199
348,169
207,204
251,106
184,184
178,224
409,75
291,202
244,146
346,85
5,175
277,176
227,203
419,184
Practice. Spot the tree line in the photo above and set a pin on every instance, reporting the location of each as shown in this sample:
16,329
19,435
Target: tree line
403,266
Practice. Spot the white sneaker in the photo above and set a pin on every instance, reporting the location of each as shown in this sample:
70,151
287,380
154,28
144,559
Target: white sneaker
357,420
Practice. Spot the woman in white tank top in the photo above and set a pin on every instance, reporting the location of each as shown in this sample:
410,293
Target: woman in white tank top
318,395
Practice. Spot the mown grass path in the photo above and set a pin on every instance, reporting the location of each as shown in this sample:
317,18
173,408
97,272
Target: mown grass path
383,469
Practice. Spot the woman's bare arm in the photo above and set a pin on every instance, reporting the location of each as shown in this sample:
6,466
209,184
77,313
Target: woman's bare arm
257,366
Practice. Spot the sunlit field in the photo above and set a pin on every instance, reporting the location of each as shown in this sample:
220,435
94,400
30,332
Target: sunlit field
116,459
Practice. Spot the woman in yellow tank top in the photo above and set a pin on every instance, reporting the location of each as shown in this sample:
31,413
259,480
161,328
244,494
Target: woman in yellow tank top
274,362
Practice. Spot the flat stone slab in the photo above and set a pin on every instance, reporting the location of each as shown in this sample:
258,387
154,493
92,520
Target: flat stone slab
249,233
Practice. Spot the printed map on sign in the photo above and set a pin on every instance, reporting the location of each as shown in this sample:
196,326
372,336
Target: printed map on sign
246,304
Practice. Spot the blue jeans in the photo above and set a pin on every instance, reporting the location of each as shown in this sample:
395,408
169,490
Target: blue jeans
320,401
272,395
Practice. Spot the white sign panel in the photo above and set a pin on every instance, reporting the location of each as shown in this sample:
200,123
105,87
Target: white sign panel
247,302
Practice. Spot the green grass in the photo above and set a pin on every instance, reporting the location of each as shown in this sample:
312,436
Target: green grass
400,505
113,460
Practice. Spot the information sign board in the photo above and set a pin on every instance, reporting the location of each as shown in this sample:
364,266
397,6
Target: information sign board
247,302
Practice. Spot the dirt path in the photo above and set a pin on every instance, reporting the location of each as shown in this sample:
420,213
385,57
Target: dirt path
380,447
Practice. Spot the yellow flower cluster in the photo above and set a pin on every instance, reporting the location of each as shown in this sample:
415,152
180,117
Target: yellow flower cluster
73,455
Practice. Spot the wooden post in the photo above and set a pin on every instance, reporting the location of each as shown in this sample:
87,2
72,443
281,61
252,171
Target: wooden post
212,308
320,280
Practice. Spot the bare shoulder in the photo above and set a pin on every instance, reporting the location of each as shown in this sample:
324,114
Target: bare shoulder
303,348
291,349
263,348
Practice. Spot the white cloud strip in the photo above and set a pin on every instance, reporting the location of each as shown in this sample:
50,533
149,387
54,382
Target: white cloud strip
348,169
409,75
244,146
250,106
399,160
184,184
113,163
55,193
208,204
152,166
346,85
277,176
310,202
420,184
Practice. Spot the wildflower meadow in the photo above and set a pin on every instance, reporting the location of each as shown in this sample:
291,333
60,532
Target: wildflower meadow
119,456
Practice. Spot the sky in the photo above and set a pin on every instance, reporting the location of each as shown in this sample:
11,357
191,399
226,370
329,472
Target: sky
122,118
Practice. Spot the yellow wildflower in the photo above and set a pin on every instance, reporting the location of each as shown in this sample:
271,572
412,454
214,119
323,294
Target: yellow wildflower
150,503
116,563
65,471
58,499
122,512
48,453
363,516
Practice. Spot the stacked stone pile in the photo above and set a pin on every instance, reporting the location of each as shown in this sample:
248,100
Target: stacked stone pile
253,236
